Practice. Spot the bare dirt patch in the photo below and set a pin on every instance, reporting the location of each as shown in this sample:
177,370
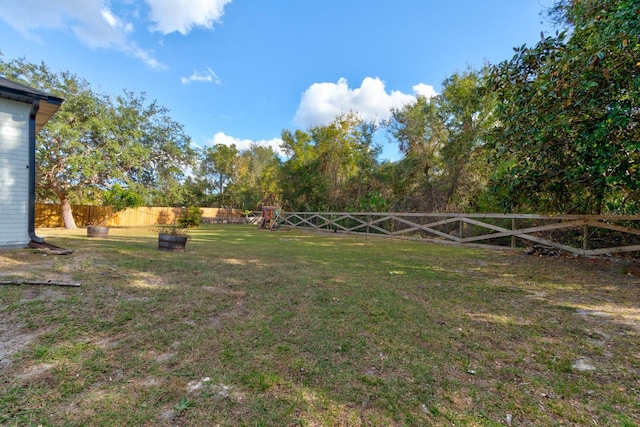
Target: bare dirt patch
13,336
13,339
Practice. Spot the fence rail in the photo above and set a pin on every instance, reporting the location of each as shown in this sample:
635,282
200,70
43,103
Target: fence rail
586,235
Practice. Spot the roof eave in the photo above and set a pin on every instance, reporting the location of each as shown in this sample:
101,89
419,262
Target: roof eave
49,104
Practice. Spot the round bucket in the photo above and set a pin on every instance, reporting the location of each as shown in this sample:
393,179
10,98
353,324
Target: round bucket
172,242
93,231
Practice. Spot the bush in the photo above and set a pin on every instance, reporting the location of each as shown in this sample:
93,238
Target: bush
119,199
191,218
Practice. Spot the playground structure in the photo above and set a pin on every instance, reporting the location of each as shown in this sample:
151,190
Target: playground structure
269,218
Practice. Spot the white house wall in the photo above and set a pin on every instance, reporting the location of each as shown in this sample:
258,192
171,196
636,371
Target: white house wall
14,173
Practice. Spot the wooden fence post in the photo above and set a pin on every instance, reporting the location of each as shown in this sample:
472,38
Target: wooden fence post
585,237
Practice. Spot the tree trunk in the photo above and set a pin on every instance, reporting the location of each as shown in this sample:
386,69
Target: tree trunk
67,214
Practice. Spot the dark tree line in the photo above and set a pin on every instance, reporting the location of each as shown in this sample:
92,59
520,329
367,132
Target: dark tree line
555,129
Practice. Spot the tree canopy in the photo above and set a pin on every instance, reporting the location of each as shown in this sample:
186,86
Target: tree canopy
330,166
95,141
218,169
567,138
555,129
444,167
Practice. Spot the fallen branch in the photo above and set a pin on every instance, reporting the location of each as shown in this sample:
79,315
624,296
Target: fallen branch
56,251
39,282
49,249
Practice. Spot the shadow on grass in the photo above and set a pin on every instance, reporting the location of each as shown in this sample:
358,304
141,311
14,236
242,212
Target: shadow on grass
320,330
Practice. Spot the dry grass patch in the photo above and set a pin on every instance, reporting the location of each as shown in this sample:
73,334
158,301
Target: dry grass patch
281,328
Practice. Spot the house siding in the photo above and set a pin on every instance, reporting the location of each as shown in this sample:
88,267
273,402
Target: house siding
14,173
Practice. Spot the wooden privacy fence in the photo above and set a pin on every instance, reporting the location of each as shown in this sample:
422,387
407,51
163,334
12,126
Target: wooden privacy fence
587,235
49,215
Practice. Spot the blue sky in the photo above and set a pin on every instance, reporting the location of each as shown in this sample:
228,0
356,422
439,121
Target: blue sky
241,71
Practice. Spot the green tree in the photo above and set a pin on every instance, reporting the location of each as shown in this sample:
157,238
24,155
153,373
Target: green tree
257,176
329,166
158,149
568,115
303,185
466,112
442,140
73,154
218,169
194,192
93,142
420,135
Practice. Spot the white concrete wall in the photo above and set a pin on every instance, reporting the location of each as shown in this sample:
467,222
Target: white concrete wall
14,173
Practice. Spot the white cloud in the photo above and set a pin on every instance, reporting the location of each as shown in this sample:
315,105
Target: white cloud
425,90
182,16
322,102
115,22
245,144
206,76
91,21
98,25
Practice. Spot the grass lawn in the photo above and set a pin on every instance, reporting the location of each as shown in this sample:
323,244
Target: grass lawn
258,328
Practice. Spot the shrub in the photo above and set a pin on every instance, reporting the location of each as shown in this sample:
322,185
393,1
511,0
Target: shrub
191,218
119,199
